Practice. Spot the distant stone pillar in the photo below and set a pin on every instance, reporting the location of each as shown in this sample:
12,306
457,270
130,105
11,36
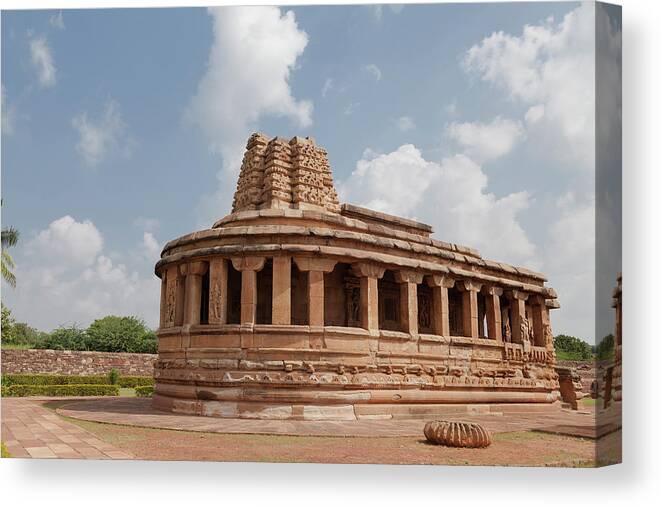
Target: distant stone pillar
469,312
175,297
494,316
218,291
440,304
281,312
164,298
517,313
408,305
369,294
316,269
194,271
248,266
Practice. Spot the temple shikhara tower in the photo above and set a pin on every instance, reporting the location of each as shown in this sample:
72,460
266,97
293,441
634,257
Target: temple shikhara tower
295,306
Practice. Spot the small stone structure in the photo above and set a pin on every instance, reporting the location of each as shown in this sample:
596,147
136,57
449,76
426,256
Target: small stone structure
72,362
297,306
457,434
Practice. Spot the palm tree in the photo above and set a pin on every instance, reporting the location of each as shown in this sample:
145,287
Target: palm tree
9,238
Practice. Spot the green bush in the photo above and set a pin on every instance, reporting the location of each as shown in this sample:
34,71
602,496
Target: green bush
113,376
129,381
572,348
10,379
66,338
61,390
144,391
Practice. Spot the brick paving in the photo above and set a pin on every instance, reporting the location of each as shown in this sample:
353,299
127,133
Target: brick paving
29,430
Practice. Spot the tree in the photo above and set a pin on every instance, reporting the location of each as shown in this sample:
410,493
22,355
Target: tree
572,348
9,238
66,338
605,349
121,334
7,325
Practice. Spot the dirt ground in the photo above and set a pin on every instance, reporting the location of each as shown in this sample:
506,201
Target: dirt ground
525,448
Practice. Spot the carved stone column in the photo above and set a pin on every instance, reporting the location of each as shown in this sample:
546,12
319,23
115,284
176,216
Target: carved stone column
517,313
539,318
164,298
194,271
369,294
248,266
440,306
218,291
494,317
316,269
469,290
174,306
408,290
281,312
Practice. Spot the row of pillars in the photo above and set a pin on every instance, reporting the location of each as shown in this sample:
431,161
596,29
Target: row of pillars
180,307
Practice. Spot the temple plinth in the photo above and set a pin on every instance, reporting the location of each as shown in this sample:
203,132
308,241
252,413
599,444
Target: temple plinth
295,306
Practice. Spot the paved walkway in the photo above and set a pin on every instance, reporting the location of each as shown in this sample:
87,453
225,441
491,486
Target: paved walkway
30,430
138,412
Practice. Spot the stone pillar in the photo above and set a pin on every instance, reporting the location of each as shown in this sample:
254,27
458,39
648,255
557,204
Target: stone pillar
440,306
494,317
218,297
194,271
539,317
179,294
164,298
469,290
281,312
248,266
316,269
369,294
408,305
517,313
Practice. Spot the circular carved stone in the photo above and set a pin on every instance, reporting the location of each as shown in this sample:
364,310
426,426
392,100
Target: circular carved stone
457,434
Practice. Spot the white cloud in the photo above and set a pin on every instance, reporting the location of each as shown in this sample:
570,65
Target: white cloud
375,71
486,141
405,123
251,60
329,84
57,21
451,195
452,109
64,277
351,108
148,224
377,10
552,65
534,114
42,60
8,114
151,247
97,139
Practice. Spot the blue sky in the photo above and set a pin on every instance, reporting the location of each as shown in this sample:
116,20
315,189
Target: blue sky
123,129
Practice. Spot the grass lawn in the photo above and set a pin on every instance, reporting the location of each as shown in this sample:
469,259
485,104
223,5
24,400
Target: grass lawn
15,346
589,402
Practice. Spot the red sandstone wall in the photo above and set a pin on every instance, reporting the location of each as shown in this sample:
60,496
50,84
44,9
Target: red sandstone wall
69,362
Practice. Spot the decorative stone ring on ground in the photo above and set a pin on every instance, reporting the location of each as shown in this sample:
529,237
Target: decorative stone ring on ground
457,434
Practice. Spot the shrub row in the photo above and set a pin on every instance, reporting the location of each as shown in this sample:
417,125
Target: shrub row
144,391
61,390
12,379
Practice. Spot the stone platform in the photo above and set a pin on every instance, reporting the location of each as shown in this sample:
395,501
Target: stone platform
139,412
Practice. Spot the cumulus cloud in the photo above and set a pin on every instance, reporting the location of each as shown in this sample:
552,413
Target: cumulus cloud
329,84
66,277
375,71
486,141
251,60
102,137
57,21
8,114
550,65
451,195
151,248
43,62
405,123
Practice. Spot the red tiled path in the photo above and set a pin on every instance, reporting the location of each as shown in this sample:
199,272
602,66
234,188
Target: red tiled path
30,430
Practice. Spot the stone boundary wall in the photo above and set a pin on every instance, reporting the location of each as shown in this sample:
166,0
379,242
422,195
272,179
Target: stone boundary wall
69,362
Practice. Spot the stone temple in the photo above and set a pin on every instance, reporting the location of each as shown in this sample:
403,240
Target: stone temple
295,306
